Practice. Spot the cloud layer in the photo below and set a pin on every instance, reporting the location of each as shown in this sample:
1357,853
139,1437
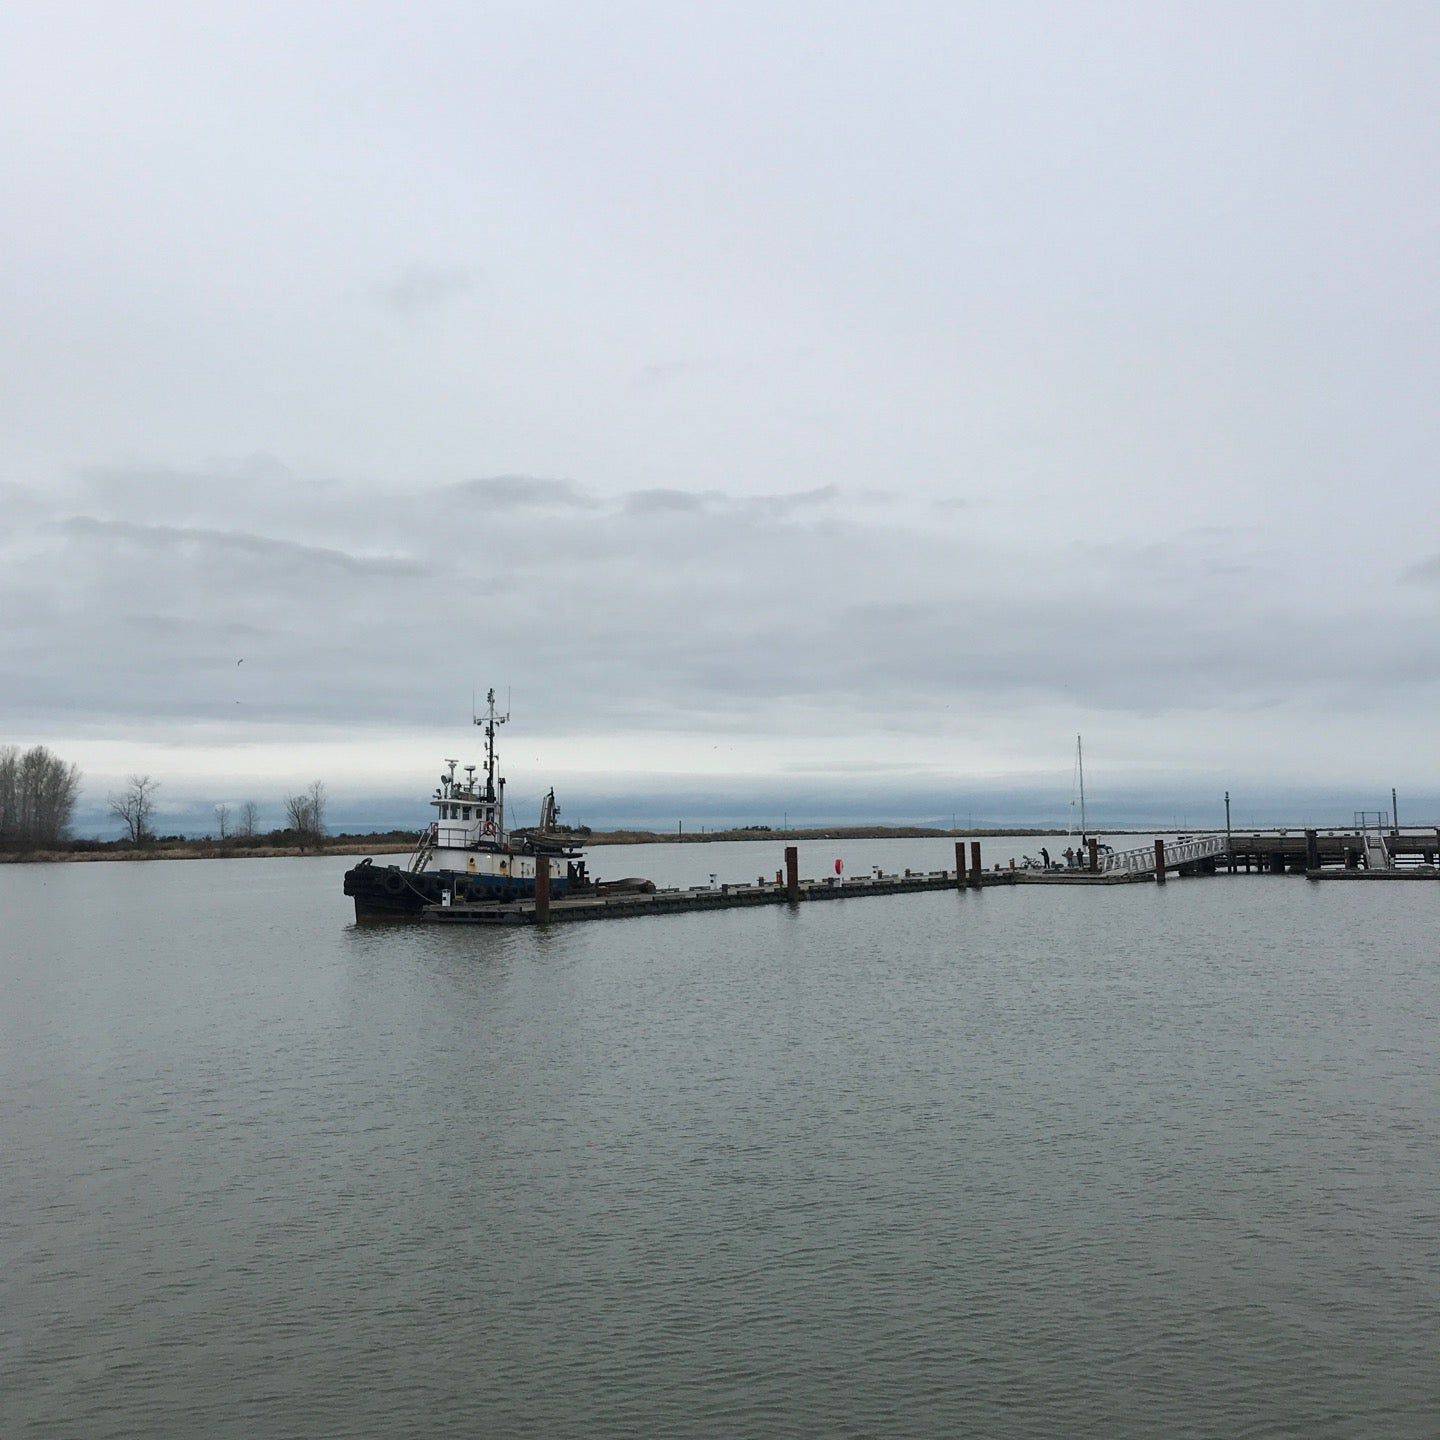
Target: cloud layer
816,640
854,398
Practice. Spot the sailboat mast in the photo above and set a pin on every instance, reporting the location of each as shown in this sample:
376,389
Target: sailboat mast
1080,760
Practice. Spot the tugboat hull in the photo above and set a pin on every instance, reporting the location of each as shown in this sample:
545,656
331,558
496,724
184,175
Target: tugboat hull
387,892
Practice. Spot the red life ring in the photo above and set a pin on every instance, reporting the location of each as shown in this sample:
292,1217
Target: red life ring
489,827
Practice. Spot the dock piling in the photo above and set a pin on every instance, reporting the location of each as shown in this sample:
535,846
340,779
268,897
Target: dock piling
542,889
959,864
1312,850
792,873
1159,859
975,866
1093,845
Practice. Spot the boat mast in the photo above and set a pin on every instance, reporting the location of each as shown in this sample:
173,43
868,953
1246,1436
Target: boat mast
1080,761
490,720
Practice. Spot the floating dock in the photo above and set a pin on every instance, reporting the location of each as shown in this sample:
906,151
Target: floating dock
788,889
1335,855
1411,872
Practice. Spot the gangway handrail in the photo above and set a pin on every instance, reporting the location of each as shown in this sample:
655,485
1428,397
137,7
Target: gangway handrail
1141,861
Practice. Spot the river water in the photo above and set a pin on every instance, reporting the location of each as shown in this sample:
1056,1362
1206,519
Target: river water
1031,1162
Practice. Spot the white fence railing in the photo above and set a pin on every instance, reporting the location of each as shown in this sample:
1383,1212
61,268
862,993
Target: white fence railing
1141,861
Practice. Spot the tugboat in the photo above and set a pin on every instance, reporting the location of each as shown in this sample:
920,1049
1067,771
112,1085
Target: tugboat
467,852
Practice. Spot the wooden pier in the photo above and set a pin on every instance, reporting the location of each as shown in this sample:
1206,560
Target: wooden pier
1322,853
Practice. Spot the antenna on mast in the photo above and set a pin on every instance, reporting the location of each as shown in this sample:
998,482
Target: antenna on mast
1080,761
490,720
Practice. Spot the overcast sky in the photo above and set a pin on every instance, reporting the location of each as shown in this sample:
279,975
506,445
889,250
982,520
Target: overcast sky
782,400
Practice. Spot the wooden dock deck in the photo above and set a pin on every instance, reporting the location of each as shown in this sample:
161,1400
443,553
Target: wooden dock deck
707,897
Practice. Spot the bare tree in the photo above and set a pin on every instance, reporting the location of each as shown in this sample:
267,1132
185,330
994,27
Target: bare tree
297,816
10,806
222,820
319,799
133,806
306,814
37,796
245,826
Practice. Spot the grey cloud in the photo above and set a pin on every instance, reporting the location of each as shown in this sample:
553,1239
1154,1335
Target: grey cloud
22,502
665,372
792,502
678,501
238,543
1423,572
675,502
886,613
519,492
669,370
422,287
173,486
174,626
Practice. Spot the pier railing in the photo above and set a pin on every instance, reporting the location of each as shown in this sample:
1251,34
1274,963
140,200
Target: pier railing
1141,861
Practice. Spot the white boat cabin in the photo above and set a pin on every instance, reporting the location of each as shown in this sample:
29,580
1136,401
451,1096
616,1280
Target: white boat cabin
469,834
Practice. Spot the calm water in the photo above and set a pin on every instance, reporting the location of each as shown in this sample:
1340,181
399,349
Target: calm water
1026,1163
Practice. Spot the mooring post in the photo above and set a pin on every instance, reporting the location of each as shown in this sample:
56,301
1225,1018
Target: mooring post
975,863
1312,850
959,864
542,889
792,873
1093,845
1159,860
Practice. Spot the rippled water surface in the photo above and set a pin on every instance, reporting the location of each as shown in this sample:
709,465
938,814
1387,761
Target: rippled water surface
1031,1162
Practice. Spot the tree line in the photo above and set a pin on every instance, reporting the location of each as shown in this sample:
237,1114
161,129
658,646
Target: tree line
134,807
38,791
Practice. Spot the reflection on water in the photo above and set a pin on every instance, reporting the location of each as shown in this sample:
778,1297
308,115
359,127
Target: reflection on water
1015,1163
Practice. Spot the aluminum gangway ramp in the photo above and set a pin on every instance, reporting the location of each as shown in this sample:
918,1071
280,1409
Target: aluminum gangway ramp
1178,853
1377,854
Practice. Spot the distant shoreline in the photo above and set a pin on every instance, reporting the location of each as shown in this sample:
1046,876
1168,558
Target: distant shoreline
386,844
